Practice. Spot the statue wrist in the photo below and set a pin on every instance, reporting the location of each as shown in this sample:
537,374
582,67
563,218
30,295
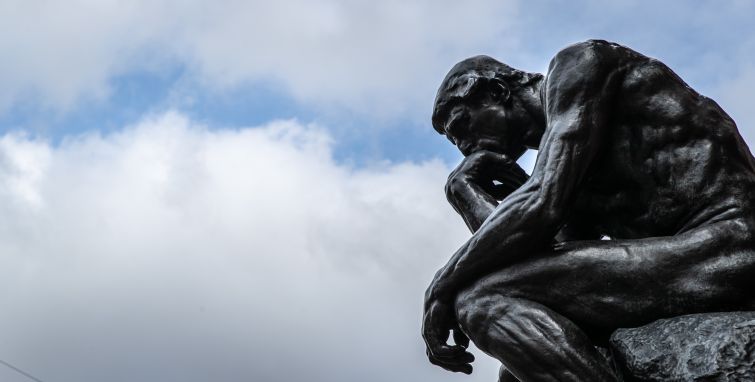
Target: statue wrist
456,186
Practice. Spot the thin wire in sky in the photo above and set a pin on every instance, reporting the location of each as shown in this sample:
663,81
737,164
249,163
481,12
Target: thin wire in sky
17,370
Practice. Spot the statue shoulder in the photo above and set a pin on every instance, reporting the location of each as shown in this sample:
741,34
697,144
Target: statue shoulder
590,54
588,65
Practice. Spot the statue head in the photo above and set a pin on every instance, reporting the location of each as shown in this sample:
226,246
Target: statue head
481,105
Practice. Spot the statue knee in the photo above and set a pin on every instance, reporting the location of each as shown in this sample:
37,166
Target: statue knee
489,318
477,309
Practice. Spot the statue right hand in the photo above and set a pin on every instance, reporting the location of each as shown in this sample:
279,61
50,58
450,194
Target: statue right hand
483,168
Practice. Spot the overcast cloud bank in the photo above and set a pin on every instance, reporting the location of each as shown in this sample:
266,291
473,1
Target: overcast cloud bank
169,252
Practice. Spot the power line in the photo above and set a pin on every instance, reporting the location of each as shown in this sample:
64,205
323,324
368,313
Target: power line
17,370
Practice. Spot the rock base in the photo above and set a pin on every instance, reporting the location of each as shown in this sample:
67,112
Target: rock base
710,347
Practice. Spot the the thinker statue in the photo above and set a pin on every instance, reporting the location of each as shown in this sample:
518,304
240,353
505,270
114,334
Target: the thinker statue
627,152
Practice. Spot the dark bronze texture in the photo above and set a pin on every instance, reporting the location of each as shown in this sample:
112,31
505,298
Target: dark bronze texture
639,207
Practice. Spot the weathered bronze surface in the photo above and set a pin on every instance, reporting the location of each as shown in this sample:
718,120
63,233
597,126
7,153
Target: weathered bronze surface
640,207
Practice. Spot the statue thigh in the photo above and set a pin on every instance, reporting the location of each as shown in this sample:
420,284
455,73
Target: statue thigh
547,308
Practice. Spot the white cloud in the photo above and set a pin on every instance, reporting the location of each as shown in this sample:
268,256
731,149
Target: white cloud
169,252
382,57
57,52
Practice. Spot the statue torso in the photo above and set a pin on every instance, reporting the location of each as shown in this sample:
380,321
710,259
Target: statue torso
670,160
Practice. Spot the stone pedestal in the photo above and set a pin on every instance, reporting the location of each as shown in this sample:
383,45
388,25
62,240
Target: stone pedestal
710,347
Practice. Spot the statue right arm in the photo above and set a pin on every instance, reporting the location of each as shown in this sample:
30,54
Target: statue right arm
471,190
579,90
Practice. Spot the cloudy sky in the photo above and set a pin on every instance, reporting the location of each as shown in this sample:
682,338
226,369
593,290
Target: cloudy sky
251,191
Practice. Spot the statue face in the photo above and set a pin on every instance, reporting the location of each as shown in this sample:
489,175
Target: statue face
488,119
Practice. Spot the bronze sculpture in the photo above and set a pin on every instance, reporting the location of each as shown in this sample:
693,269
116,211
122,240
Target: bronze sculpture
627,151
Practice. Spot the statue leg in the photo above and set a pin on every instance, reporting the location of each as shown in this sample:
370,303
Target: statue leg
532,341
538,316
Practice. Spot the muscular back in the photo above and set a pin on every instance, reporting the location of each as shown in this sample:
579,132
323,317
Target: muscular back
670,159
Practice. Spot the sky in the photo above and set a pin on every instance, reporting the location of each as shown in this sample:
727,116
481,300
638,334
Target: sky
252,191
